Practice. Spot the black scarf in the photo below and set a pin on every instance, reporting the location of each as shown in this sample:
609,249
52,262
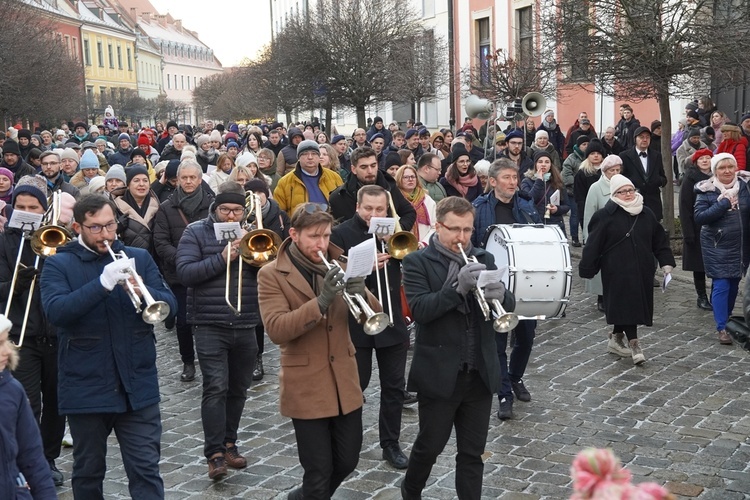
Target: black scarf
189,203
140,210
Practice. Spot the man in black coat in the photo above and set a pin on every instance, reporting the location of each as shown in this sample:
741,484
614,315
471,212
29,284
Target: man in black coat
455,368
643,166
391,344
12,161
343,199
584,128
626,127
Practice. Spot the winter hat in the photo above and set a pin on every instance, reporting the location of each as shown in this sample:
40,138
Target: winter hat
24,133
7,173
89,160
595,146
93,129
701,152
232,144
215,136
138,152
245,159
609,162
692,106
392,159
514,134
160,167
409,133
641,130
692,114
143,140
257,185
230,192
70,154
34,154
377,119
35,185
11,146
730,127
171,171
709,131
172,123
234,128
423,132
307,145
100,139
88,145
60,133
458,151
482,167
109,110
5,326
134,170
13,133
499,137
116,172
377,136
719,157
541,133
547,113
201,140
123,136
97,184
337,138
617,182
543,154
655,124
694,132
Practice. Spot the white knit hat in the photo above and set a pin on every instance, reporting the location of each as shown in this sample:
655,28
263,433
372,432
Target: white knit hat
618,181
609,162
719,157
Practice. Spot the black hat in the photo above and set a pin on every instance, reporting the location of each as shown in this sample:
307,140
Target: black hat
171,170
257,185
595,146
134,170
377,119
24,133
655,124
80,124
11,146
138,152
709,131
694,132
693,114
542,154
581,140
458,151
172,123
392,159
640,130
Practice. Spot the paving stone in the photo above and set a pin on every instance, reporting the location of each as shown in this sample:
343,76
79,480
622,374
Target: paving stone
684,489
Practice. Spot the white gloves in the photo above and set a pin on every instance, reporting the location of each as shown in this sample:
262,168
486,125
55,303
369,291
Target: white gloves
114,273
667,269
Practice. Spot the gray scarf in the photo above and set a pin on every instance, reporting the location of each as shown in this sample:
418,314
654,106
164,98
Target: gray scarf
189,203
317,271
455,262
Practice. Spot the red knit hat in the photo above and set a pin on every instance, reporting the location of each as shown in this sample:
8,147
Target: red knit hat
699,153
143,140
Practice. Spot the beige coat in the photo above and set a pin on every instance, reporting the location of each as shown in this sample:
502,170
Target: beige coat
318,369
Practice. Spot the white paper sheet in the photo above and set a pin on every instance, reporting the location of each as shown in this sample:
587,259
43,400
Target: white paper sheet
665,282
555,198
25,221
227,231
360,260
487,277
382,226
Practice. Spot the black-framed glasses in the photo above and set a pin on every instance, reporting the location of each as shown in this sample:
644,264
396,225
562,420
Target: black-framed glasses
625,191
458,230
111,227
235,211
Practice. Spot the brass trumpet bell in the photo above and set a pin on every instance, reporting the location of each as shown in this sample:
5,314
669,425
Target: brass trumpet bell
46,240
402,244
259,247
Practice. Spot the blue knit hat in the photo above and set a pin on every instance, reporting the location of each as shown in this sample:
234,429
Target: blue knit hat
337,138
88,160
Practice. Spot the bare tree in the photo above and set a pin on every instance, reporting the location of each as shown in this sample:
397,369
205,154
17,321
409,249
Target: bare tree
650,49
40,81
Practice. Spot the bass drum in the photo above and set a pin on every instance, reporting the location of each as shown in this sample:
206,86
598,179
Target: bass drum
539,269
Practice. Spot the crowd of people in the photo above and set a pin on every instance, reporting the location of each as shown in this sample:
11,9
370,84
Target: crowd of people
165,199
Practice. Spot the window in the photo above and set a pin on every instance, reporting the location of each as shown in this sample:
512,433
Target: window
130,61
68,46
75,48
100,53
428,8
86,52
119,57
182,82
169,82
575,38
188,82
525,35
112,95
483,48
194,82
102,96
175,82
110,54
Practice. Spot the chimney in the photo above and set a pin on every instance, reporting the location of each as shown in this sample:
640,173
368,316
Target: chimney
146,17
134,13
178,24
162,19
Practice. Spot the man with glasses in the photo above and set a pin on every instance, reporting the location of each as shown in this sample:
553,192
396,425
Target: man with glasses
506,204
51,166
430,170
308,182
224,338
516,151
107,360
455,367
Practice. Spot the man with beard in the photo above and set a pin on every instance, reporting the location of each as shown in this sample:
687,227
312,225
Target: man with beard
516,152
80,133
626,126
51,165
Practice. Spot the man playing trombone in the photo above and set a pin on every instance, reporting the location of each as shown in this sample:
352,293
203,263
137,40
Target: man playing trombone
455,368
390,345
306,315
107,361
222,300
37,370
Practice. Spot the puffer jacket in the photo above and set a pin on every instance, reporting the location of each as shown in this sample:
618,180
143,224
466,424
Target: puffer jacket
523,213
541,192
725,235
107,353
291,190
286,160
21,445
134,230
202,269
120,157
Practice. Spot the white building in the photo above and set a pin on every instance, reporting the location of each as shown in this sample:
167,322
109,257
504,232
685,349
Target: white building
148,68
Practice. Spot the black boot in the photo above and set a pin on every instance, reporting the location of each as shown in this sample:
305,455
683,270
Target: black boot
703,303
600,303
188,372
258,372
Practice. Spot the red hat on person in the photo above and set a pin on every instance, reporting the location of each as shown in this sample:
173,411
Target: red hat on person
701,152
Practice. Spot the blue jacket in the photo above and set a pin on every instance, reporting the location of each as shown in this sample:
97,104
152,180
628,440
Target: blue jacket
21,445
107,353
202,269
523,212
725,236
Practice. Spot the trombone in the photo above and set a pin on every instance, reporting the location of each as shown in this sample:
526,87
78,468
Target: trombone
387,284
259,246
372,322
155,311
401,243
504,321
44,242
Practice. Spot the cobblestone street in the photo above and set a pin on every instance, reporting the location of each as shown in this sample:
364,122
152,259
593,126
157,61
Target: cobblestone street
682,418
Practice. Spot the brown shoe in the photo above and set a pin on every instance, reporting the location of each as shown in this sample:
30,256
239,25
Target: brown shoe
233,458
724,338
217,467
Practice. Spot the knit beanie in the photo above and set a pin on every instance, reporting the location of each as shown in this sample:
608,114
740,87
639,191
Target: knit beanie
93,129
70,154
409,133
582,139
123,136
245,159
97,184
11,146
257,185
24,134
143,140
171,171
230,192
719,157
201,140
307,145
618,181
542,154
458,151
694,132
595,146
392,159
232,144
7,173
89,160
172,123
138,152
337,138
541,133
134,170
34,185
116,172
609,162
514,134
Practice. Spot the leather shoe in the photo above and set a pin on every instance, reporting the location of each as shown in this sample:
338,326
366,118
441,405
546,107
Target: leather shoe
405,495
394,456
576,243
217,467
296,494
259,372
724,338
188,372
522,394
505,412
600,303
233,458
409,398
704,304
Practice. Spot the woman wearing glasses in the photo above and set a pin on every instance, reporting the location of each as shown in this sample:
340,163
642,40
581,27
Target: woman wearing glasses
624,238
722,208
136,209
408,182
460,177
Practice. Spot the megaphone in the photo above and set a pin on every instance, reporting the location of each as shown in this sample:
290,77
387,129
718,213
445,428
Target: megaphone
476,107
533,104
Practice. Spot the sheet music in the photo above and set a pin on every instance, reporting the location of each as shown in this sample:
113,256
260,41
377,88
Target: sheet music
25,221
228,231
555,198
360,260
493,276
382,226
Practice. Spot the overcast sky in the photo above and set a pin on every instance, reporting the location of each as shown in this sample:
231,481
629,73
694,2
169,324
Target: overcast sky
234,29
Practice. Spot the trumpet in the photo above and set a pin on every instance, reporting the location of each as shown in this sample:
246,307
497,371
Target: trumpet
155,311
402,243
372,322
504,321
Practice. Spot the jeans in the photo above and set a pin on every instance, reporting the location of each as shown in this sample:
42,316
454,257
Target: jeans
139,436
391,365
468,410
328,450
573,218
723,295
184,331
37,373
227,360
519,356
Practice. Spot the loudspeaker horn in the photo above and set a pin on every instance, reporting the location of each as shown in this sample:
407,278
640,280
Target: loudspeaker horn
476,107
533,104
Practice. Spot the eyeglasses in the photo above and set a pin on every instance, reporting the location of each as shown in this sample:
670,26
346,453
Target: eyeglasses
50,163
458,230
625,191
234,211
409,177
312,208
111,227
515,143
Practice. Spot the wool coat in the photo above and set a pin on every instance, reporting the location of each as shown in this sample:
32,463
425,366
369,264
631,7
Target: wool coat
623,248
318,376
648,184
692,255
596,199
